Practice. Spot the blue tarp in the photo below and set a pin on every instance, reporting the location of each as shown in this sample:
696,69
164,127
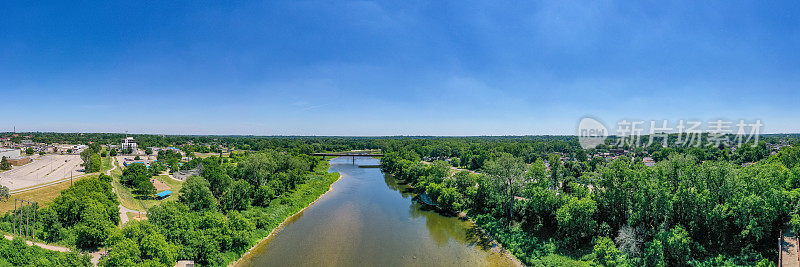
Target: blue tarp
164,194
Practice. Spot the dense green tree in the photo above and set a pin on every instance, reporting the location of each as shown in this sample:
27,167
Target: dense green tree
124,252
605,253
196,194
95,164
537,173
507,172
93,228
554,163
580,155
539,208
140,243
263,195
144,186
4,193
17,253
677,246
576,219
4,164
134,173
238,196
258,168
217,176
87,155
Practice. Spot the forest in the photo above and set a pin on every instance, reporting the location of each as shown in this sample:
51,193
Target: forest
681,211
544,198
214,225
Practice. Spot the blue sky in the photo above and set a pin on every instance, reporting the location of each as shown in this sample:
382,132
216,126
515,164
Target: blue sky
393,68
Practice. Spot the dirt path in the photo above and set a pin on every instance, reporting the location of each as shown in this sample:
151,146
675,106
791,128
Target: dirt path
113,166
41,245
173,177
123,211
123,214
789,249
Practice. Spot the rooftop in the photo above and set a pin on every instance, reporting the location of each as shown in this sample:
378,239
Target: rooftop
164,193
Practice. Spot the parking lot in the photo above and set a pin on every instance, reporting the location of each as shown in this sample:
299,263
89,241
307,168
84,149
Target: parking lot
42,170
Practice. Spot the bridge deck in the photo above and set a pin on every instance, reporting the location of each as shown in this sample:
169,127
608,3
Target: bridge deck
347,155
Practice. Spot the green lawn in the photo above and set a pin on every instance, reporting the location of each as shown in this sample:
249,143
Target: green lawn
133,201
126,197
43,195
175,185
106,164
133,216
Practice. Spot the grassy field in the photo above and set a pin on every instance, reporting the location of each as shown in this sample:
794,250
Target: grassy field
106,164
46,194
130,200
133,216
43,195
175,185
125,195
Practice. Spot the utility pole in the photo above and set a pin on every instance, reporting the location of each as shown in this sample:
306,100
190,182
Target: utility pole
14,217
36,205
27,219
22,213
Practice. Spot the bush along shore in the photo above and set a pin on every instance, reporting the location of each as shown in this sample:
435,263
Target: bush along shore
621,213
252,194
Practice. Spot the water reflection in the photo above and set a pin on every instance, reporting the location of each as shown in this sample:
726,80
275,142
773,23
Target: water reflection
371,219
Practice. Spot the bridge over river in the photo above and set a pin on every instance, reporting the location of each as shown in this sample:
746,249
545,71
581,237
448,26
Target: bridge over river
347,154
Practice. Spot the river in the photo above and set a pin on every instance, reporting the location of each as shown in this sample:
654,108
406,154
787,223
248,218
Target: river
368,219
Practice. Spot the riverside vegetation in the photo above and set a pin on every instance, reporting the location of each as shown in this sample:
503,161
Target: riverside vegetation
210,225
682,211
548,201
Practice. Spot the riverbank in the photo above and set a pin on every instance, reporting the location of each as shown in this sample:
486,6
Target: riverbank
495,245
283,223
492,242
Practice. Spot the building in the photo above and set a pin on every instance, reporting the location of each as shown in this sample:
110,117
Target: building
14,156
10,153
128,142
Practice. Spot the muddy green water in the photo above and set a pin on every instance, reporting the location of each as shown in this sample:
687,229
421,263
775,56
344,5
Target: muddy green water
368,219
